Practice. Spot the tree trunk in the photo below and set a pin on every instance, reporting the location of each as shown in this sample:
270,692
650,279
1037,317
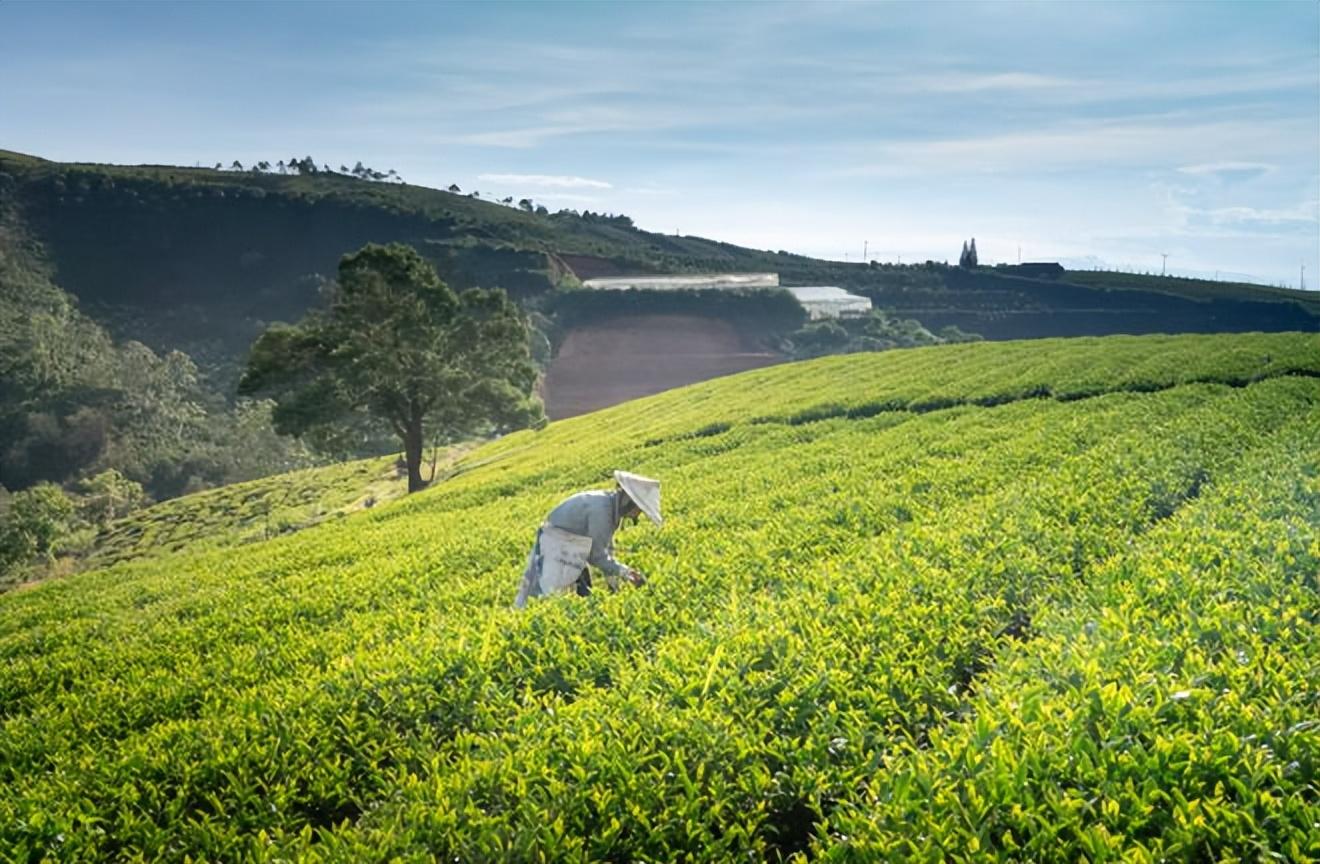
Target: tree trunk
412,452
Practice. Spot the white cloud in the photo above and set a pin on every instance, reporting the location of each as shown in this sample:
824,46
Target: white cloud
1240,169
1146,142
1309,212
956,82
519,139
545,181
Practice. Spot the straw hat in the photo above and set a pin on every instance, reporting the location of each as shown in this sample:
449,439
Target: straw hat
642,490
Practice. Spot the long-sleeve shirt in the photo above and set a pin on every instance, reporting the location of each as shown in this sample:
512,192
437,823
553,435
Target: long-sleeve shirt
594,515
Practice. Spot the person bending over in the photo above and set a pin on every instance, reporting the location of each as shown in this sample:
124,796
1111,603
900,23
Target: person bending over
580,532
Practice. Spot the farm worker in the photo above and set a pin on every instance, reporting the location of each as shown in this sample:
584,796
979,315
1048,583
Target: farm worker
580,531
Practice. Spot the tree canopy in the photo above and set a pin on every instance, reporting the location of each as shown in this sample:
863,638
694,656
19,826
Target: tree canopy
968,256
398,349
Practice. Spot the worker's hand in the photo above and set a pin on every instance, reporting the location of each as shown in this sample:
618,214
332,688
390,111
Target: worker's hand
636,578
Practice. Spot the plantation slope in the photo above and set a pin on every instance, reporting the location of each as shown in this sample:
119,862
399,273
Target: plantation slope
1029,601
258,509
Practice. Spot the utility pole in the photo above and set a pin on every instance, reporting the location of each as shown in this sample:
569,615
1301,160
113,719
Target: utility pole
1164,263
866,250
1302,280
1019,253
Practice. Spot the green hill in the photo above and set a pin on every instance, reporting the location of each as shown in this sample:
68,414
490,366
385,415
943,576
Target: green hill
200,259
130,295
1047,601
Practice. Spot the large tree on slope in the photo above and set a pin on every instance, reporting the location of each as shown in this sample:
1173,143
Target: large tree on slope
397,347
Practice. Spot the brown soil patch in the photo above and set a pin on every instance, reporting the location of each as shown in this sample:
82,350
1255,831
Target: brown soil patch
591,267
633,356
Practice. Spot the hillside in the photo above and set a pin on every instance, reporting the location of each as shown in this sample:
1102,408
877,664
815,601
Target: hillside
1049,601
200,259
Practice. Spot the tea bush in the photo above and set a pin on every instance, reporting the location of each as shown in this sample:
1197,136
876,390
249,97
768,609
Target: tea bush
986,602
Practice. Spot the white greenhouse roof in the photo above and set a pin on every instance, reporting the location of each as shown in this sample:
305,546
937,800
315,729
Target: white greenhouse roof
689,280
829,301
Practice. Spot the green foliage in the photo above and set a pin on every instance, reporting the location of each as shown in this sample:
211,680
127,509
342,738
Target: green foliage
32,526
74,402
1043,601
108,496
875,331
398,347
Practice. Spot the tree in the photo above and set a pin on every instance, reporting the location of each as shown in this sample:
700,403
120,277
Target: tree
109,496
398,348
968,256
453,187
526,204
236,166
36,522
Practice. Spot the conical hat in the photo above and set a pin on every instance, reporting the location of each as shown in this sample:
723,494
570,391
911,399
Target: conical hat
644,491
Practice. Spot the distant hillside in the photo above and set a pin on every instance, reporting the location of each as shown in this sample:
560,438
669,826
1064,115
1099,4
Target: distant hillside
201,259
1003,306
194,263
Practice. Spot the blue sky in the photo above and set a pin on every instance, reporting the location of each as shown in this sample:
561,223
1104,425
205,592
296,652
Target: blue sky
1098,134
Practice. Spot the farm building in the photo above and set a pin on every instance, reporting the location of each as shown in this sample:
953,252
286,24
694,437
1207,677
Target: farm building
695,281
826,301
820,301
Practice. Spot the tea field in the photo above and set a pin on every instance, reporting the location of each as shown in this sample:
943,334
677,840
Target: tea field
261,509
1037,601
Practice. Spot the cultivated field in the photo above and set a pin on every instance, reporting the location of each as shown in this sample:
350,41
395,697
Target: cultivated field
1039,601
628,357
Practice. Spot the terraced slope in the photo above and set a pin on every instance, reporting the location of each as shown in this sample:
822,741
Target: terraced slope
1024,601
261,509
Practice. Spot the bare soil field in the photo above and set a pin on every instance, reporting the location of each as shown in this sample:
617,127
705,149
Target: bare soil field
628,357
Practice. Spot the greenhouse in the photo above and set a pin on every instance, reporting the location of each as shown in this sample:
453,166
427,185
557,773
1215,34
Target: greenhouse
692,281
827,301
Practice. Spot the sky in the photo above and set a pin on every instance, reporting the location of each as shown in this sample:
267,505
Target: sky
1097,134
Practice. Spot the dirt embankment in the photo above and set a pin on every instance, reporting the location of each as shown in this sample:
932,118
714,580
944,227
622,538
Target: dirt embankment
603,364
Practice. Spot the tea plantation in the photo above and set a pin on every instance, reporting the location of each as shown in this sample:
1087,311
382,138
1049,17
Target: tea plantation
1035,601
